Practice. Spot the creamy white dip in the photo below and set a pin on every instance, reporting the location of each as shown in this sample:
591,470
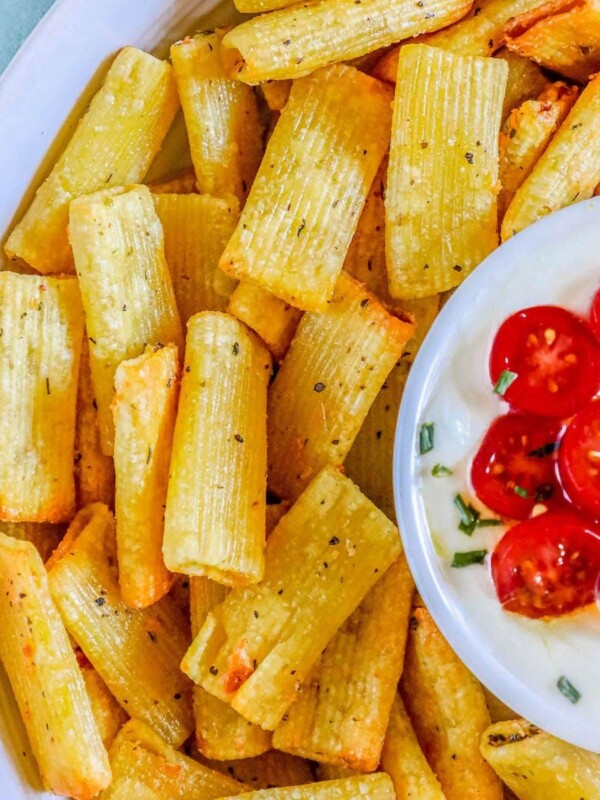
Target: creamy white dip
457,397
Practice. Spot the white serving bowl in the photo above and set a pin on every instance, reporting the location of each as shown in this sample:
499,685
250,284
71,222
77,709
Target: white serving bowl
557,258
42,94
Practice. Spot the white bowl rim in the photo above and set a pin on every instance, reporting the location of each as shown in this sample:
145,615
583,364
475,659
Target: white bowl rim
446,612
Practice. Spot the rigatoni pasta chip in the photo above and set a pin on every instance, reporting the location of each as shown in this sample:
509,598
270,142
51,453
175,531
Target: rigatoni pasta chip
144,409
479,33
113,145
221,116
365,260
448,712
43,535
215,516
268,770
567,42
135,651
568,170
333,772
205,594
224,734
181,182
304,37
145,766
341,713
370,460
197,229
258,646
41,329
274,320
538,766
276,93
109,715
335,367
43,671
304,205
375,787
526,134
221,733
94,472
118,245
521,22
275,511
447,118
403,759
525,80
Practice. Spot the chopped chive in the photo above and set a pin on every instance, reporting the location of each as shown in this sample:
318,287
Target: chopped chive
467,529
504,381
488,523
468,558
426,437
566,688
521,491
439,471
469,516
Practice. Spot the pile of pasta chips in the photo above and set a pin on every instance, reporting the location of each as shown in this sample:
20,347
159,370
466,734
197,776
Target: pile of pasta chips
202,587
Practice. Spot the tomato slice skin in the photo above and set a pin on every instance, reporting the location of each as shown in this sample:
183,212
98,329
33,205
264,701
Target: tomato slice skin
579,459
547,566
556,359
516,457
595,314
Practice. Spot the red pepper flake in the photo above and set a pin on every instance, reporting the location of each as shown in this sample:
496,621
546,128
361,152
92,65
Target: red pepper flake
239,668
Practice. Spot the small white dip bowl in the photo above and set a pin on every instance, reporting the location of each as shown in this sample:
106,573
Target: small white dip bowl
556,262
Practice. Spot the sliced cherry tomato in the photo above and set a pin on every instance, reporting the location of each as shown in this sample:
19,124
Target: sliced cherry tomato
514,467
595,314
555,357
547,566
579,459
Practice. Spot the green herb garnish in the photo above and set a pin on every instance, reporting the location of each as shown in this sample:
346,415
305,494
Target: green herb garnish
426,437
469,516
566,688
488,523
439,471
504,381
468,558
521,491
